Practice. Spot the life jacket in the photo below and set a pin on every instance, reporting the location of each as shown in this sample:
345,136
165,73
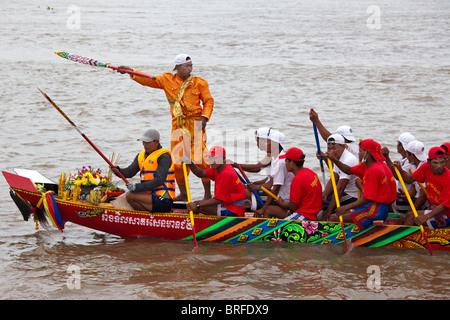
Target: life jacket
148,167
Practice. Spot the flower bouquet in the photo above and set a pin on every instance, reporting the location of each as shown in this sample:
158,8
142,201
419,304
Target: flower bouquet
89,177
82,183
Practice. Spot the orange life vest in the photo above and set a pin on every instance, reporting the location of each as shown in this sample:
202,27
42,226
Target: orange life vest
148,167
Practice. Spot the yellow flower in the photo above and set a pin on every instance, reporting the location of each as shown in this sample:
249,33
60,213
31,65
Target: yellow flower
90,179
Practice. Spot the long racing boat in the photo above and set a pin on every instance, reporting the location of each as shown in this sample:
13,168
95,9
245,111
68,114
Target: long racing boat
176,225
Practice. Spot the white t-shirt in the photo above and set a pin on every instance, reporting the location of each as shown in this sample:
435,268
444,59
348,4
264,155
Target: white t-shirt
353,147
281,177
406,165
349,159
416,185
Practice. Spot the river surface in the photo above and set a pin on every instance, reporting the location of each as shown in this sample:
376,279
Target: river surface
382,67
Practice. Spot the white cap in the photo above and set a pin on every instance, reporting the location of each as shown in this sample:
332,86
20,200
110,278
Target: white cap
277,136
406,138
346,132
418,149
336,138
182,59
262,133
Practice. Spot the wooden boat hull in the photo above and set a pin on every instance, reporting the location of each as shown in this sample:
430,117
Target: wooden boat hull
177,226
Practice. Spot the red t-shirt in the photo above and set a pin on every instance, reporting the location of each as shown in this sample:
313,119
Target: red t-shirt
228,188
378,182
438,187
306,192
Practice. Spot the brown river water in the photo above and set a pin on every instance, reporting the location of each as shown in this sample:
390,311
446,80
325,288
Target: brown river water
381,67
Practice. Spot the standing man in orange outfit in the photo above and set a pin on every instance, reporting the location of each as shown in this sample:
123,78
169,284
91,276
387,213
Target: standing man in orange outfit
191,105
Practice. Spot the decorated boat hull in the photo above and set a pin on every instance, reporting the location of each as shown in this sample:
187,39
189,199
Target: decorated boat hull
177,225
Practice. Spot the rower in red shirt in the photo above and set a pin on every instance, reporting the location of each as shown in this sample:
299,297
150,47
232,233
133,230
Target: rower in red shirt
436,177
379,186
305,197
446,147
229,192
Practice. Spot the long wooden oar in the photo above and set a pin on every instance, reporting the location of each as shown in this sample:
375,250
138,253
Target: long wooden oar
191,214
269,193
338,204
83,135
316,135
186,137
96,63
420,184
258,198
413,208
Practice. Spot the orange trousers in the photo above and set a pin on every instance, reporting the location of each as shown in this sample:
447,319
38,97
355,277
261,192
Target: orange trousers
190,142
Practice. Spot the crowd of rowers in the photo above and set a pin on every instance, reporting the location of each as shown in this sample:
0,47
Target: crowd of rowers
366,182
366,186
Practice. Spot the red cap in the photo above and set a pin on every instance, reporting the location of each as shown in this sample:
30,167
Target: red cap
374,148
217,151
446,147
294,154
436,152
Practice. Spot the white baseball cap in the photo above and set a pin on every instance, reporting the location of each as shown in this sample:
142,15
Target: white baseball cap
181,59
336,138
406,138
262,133
418,149
277,136
346,132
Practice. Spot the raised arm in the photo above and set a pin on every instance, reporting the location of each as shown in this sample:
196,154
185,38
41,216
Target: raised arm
314,117
199,172
145,80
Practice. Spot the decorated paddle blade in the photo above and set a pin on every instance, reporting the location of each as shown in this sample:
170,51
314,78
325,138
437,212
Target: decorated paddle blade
96,63
81,59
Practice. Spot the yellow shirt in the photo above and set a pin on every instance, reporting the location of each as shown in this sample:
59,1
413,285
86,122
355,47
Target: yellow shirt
198,90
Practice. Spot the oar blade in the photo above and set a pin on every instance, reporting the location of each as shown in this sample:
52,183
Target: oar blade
81,59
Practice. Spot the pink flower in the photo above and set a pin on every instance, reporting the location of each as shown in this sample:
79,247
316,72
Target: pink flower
277,236
310,226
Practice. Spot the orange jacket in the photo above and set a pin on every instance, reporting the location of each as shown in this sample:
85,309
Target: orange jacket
198,90
149,165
